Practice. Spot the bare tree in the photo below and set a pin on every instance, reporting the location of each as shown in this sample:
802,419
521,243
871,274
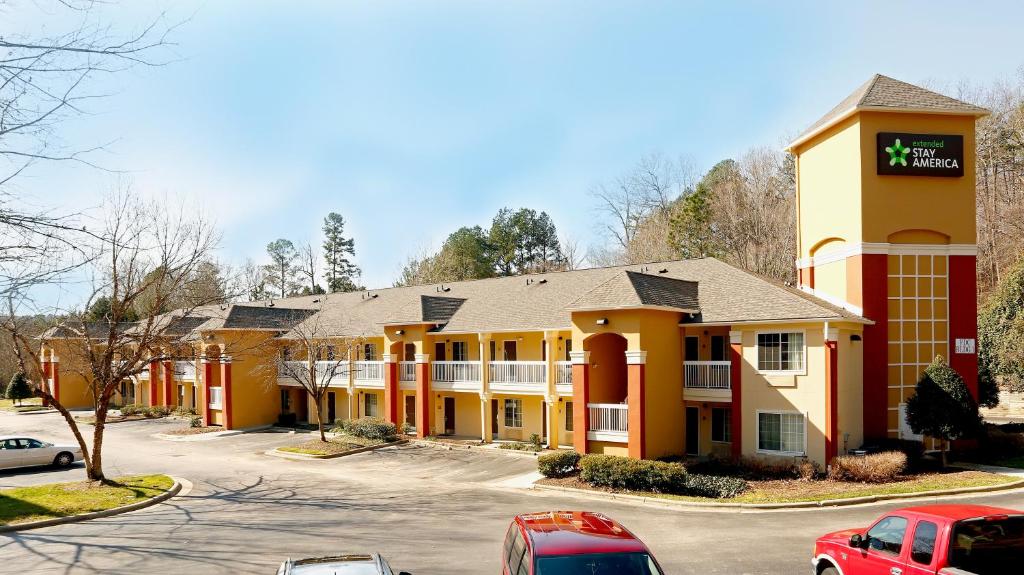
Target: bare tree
326,361
574,254
309,267
142,253
46,78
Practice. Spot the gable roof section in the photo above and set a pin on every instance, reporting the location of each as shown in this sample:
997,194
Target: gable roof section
425,309
884,94
264,317
631,289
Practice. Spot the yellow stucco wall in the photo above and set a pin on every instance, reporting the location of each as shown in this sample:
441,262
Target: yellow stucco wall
851,392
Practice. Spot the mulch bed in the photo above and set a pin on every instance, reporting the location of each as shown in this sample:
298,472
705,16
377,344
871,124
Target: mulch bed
194,430
331,447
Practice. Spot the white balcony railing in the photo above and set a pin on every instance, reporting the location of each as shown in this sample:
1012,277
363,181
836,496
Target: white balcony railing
455,371
336,370
563,372
531,372
407,371
608,417
185,370
707,374
369,370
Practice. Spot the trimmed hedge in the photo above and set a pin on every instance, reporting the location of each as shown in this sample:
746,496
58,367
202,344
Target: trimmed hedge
874,468
559,464
633,474
714,486
371,428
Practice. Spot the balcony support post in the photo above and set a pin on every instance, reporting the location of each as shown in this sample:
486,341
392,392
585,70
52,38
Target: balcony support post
392,396
486,427
424,396
225,391
168,381
207,383
154,386
636,363
831,393
485,417
735,378
580,398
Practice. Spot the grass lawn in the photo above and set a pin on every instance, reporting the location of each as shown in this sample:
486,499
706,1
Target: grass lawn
795,491
31,404
23,504
333,446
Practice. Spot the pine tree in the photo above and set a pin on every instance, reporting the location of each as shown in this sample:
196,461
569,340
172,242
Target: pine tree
18,389
281,273
341,272
942,407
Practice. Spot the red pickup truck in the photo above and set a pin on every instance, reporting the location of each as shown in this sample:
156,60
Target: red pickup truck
933,539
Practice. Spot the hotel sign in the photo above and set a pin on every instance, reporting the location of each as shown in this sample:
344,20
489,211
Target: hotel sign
920,155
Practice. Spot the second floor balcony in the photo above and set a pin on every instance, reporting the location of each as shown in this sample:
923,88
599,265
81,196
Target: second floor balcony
707,380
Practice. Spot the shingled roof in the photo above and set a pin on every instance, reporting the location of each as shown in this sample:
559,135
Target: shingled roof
630,289
885,94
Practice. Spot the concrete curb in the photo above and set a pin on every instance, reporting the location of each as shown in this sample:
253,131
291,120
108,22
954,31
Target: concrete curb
208,436
175,489
827,503
454,447
34,412
309,457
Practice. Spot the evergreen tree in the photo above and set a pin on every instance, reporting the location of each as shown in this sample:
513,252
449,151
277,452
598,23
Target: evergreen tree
691,234
18,389
341,271
942,407
281,272
1001,338
524,241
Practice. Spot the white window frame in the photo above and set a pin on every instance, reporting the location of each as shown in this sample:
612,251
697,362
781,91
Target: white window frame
367,402
216,397
727,430
517,410
757,350
780,413
370,351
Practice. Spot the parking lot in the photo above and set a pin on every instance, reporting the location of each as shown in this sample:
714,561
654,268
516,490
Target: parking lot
426,509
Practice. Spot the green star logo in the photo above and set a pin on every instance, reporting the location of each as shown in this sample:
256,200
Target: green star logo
897,153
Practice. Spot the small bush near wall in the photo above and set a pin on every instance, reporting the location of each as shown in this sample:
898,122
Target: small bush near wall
158,411
130,409
632,474
874,468
714,486
371,428
559,464
914,450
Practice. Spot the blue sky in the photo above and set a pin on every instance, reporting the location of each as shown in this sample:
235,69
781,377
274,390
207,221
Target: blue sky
414,118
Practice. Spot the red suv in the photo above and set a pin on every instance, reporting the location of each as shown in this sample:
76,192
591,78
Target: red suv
571,543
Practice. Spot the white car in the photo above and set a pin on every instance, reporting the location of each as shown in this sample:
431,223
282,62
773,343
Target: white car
24,452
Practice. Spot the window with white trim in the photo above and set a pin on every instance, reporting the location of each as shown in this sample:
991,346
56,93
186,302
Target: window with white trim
513,413
781,432
370,352
215,397
721,424
780,351
370,405
460,351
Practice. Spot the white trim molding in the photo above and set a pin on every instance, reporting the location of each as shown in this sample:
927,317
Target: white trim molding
833,300
579,357
636,357
735,336
857,249
389,358
422,358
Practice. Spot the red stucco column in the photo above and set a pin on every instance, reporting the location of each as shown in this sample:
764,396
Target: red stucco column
392,397
831,394
225,391
637,403
169,383
423,395
963,318
207,382
580,398
154,385
44,368
875,289
735,381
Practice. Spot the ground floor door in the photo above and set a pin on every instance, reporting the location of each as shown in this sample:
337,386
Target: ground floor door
494,419
692,430
410,410
449,416
332,408
181,395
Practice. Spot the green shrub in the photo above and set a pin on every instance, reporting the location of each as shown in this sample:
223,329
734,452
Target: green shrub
195,422
371,428
158,411
559,464
406,428
131,409
632,474
750,468
536,442
519,446
874,468
184,411
714,486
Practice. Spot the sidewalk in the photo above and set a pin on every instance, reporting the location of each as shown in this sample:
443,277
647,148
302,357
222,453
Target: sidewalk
1011,471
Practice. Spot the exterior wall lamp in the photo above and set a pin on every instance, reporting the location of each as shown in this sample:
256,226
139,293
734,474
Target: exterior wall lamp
399,331
602,321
